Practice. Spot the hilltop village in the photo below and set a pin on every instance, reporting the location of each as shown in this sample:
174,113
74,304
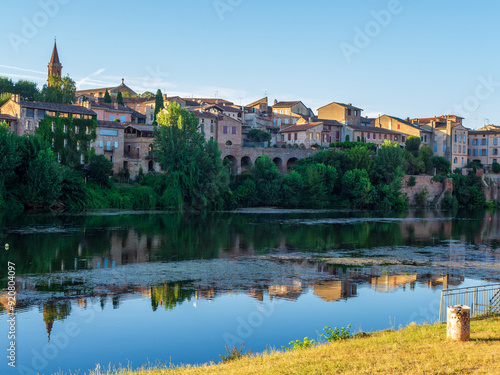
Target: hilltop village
124,133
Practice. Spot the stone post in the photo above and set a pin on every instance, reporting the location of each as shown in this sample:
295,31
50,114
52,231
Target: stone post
458,318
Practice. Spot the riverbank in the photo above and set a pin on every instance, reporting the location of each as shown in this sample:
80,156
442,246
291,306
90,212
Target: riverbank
412,350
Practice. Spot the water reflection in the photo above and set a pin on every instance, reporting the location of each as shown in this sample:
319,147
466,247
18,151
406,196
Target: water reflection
44,244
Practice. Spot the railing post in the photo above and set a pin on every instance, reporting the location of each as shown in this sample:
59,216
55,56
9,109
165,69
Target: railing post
474,297
441,308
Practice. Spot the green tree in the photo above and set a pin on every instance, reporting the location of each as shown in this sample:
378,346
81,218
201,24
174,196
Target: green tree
159,105
356,188
59,90
6,85
27,90
194,166
42,184
267,181
389,162
107,97
257,135
426,154
119,98
99,170
292,188
412,144
441,164
147,94
4,98
320,180
358,157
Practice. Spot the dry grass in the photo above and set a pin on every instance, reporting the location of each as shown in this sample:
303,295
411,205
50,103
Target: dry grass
413,350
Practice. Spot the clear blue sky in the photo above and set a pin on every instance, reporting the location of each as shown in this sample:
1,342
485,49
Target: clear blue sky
428,58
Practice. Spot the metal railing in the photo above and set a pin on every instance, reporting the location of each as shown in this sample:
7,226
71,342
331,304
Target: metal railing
481,299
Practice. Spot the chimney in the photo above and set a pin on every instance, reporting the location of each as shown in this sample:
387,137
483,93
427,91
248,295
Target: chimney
115,104
15,98
407,119
275,101
448,126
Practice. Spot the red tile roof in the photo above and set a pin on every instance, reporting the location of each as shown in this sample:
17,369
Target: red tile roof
301,128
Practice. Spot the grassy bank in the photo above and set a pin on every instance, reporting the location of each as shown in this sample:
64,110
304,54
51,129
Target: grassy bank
412,350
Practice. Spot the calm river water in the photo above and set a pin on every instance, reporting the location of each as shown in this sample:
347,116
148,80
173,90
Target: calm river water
137,288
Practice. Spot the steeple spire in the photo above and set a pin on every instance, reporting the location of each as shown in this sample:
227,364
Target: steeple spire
55,66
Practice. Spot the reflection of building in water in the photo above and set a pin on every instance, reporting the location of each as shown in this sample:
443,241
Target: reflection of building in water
432,281
287,291
422,230
384,284
335,290
126,249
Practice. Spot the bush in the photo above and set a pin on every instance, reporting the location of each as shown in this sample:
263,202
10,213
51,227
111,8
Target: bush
421,198
412,181
297,344
257,135
495,167
234,354
336,334
449,201
99,169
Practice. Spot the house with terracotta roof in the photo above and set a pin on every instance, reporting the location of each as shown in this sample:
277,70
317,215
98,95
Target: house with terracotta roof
306,135
138,153
70,129
110,142
372,134
344,113
406,128
449,137
287,108
484,145
99,92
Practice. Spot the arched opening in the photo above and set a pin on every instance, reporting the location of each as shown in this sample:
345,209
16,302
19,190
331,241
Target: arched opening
151,166
229,143
279,163
231,164
246,163
290,163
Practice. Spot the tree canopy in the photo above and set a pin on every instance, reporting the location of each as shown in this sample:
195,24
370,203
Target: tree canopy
107,97
193,164
59,90
158,104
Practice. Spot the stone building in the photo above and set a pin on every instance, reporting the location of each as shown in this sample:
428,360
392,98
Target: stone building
344,113
406,128
306,135
483,145
138,150
229,131
287,108
110,142
373,134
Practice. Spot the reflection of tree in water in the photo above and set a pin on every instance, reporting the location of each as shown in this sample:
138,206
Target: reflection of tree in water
55,311
171,294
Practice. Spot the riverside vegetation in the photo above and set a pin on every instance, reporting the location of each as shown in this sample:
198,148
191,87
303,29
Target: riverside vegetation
352,175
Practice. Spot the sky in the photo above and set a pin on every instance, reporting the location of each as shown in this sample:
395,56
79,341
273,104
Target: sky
405,58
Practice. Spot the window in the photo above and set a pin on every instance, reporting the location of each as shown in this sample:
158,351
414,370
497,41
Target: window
462,161
65,129
289,136
368,135
203,128
100,143
474,152
58,157
403,139
349,112
30,112
53,126
78,146
355,112
65,142
233,130
116,144
435,148
484,141
211,128
444,148
385,136
295,135
310,135
294,121
113,133
379,135
229,143
495,151
87,130
337,135
399,126
425,138
455,161
455,137
123,118
224,129
111,117
484,152
455,148
459,149
317,136
286,121
108,145
495,141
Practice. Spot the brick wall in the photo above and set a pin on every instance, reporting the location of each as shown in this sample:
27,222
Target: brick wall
435,189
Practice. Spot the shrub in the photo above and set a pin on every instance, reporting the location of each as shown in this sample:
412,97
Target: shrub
234,354
297,344
412,181
336,334
99,169
421,198
495,167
